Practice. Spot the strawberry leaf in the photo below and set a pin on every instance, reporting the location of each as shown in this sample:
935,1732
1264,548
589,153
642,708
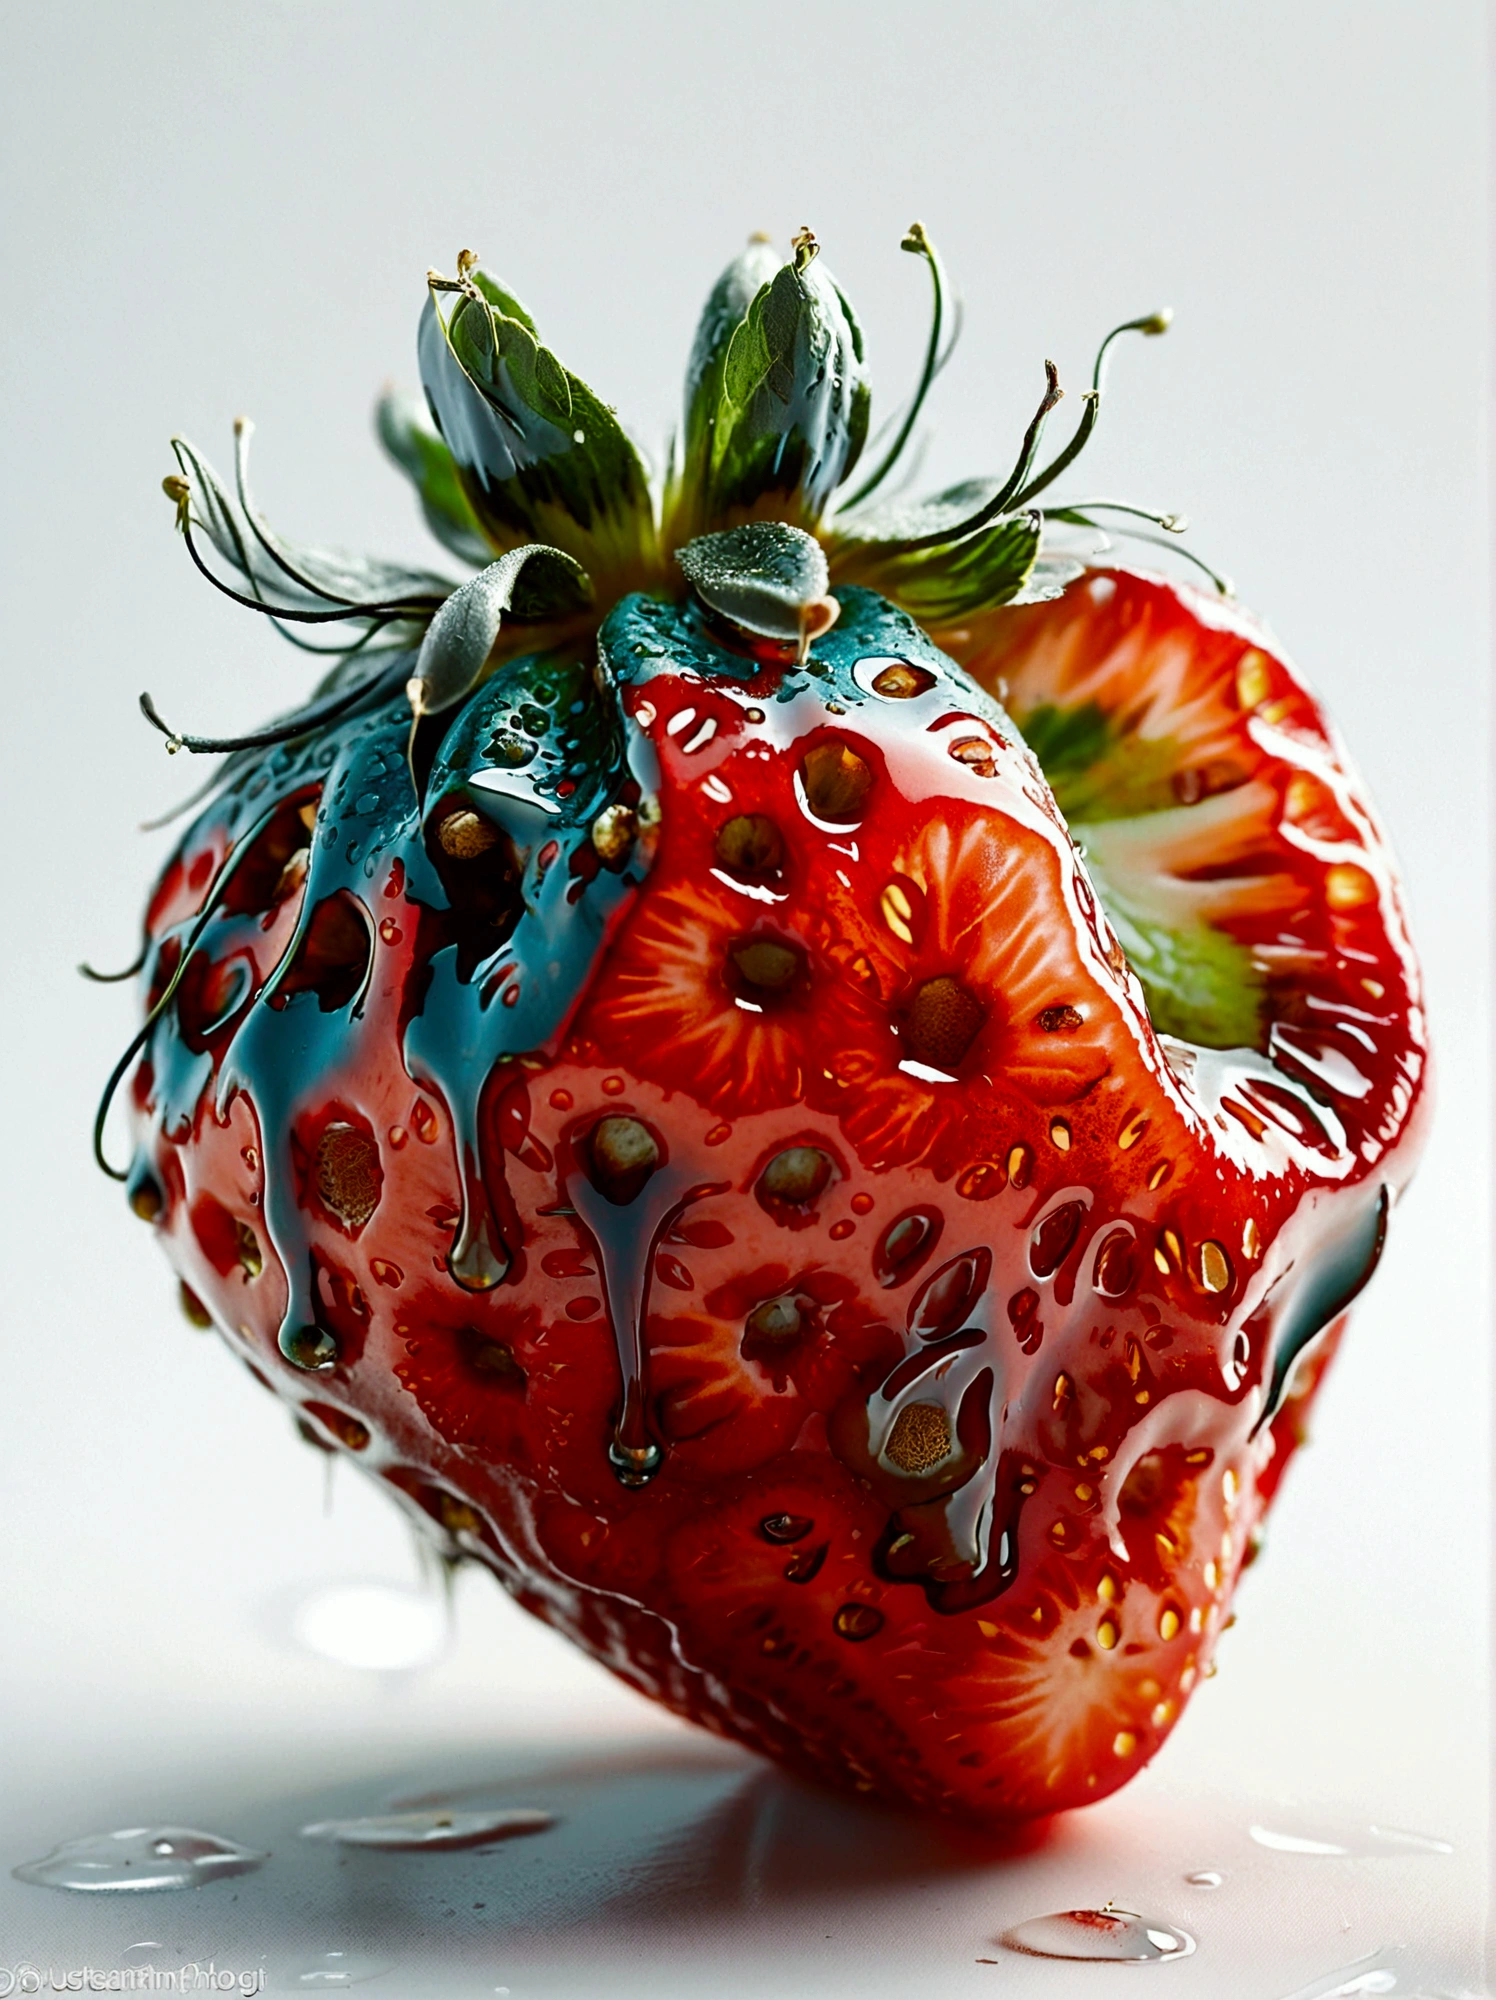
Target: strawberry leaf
531,582
767,577
287,581
408,437
725,310
956,580
539,457
778,412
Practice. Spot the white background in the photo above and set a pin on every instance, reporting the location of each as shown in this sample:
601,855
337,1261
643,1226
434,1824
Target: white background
210,211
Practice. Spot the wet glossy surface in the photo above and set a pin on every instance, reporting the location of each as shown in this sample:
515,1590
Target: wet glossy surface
678,1866
139,1858
1107,1935
703,1074
432,1827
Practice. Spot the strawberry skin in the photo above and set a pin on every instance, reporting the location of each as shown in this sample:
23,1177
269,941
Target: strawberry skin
964,1436
810,1088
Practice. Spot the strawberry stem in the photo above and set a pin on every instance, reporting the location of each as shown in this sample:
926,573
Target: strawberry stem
1009,492
917,244
1151,325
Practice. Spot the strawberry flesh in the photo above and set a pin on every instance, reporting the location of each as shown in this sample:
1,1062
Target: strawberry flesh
843,1214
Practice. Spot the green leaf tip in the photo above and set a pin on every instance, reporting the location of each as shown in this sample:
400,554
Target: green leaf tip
538,456
777,396
531,582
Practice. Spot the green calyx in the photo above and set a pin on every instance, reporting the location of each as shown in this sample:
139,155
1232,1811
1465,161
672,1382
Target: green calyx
525,475
778,401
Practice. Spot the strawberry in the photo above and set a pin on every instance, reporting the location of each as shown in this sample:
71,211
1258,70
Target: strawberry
810,1085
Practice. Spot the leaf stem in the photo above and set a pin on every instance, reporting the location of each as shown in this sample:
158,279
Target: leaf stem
1076,518
1009,493
1151,324
307,718
917,244
1174,524
414,607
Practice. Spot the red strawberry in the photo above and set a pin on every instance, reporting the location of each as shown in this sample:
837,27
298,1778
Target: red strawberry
841,1204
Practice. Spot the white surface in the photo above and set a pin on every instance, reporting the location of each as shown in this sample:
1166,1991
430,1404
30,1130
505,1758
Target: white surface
212,212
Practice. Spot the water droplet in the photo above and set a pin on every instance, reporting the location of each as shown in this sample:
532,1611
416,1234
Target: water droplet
431,1827
1205,1878
310,1348
1109,1935
1051,1241
342,1968
785,1527
840,1231
944,1300
858,1621
905,1244
806,1564
862,1204
140,1857
144,1196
